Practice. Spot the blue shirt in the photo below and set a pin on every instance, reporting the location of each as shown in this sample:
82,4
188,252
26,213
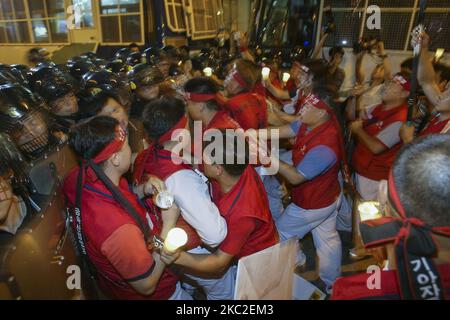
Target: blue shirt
317,161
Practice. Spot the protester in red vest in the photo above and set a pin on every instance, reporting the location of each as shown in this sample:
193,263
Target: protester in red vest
415,230
244,206
316,196
110,225
440,120
246,107
165,122
377,137
205,104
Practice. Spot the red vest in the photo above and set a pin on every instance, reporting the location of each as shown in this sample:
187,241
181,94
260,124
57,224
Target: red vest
323,190
259,89
435,126
222,120
377,166
248,198
249,110
101,215
162,166
355,287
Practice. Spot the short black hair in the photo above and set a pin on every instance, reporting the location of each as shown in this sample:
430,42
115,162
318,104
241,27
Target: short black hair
334,50
422,178
90,106
203,85
233,144
162,114
90,138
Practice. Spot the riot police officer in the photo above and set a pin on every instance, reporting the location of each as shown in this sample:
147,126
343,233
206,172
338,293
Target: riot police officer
106,81
23,120
55,88
145,80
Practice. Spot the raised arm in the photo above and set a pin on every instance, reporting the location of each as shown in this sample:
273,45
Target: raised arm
319,47
426,74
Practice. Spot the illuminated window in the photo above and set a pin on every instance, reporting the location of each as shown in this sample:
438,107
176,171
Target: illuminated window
85,19
33,21
200,19
121,21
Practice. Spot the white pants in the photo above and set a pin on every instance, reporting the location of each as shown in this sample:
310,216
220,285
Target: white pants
215,289
297,222
180,294
367,188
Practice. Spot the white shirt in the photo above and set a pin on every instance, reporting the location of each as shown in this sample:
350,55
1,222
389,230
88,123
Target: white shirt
192,196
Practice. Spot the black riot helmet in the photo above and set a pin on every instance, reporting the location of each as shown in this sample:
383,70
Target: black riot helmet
23,120
11,159
143,75
89,55
20,72
50,82
150,55
97,82
118,67
122,54
5,71
38,55
169,50
134,58
100,63
78,68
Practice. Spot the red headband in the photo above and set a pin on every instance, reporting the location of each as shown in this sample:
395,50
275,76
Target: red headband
239,79
200,97
205,97
403,82
316,102
168,135
114,147
305,68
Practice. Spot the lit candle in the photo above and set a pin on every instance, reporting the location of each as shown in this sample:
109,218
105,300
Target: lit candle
286,77
369,210
265,73
176,238
164,200
208,71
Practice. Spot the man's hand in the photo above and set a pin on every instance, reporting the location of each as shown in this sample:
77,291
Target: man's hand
407,133
168,257
243,41
358,90
153,185
420,37
356,126
380,48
